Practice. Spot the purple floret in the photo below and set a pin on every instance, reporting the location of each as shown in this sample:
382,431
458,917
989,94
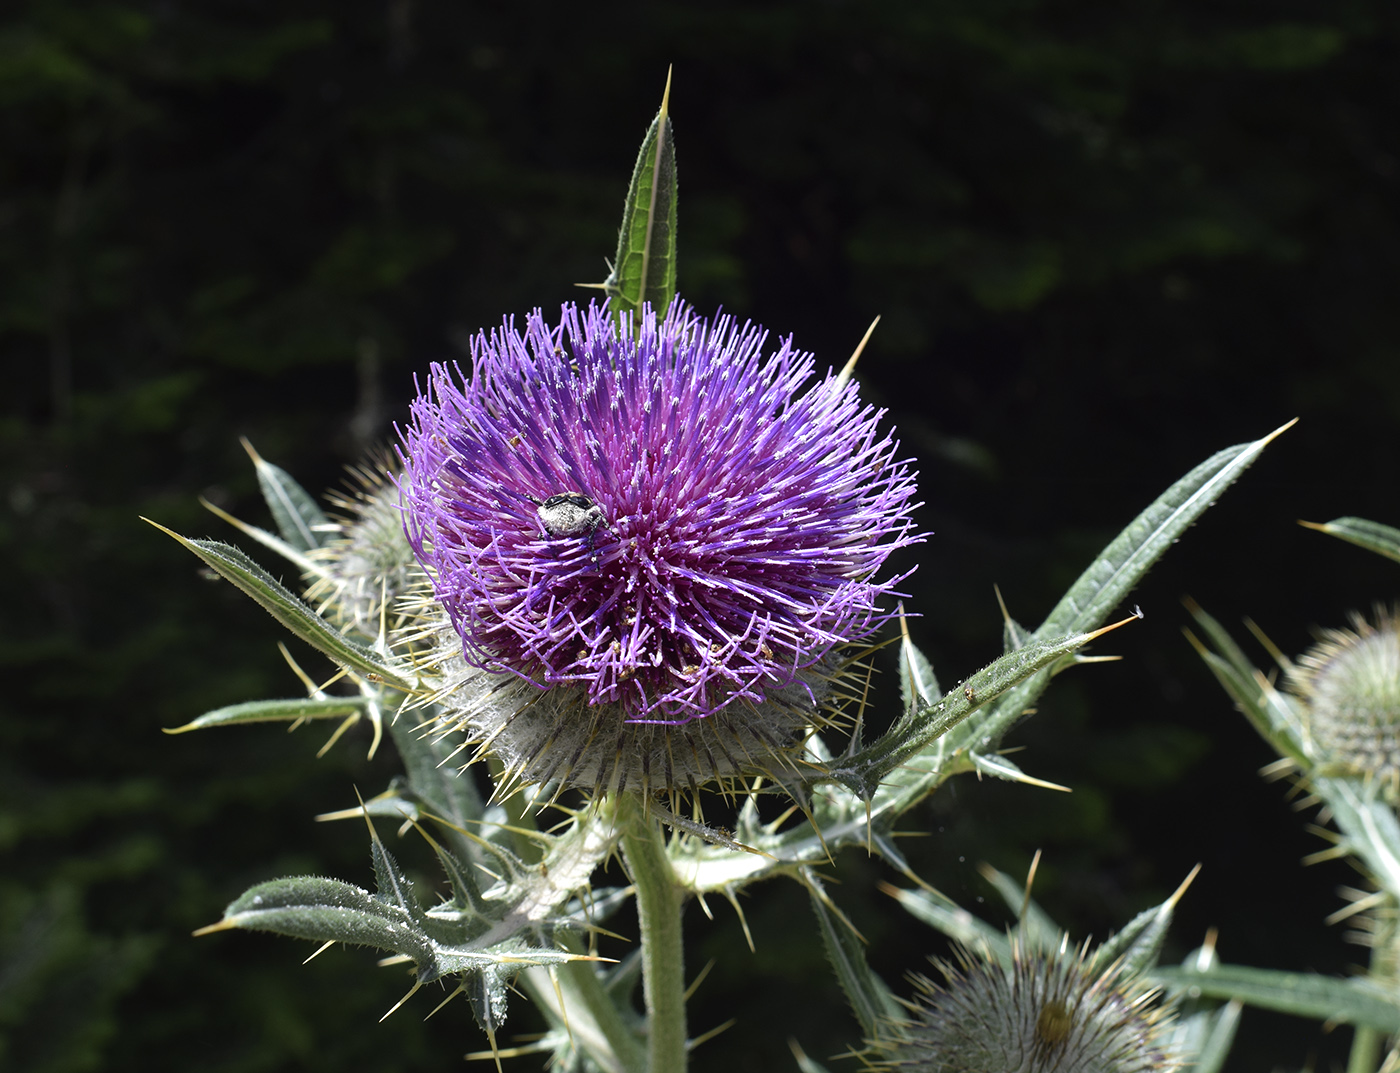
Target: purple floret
742,520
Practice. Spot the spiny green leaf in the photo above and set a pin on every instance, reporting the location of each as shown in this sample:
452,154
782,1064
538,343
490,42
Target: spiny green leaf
869,996
233,565
1373,536
1121,565
645,267
918,685
328,910
1138,946
299,517
864,772
955,922
276,711
1325,998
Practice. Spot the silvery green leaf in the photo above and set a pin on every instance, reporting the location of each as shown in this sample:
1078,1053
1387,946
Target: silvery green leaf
328,910
1270,712
276,711
1373,536
1138,946
1356,1001
645,267
233,565
869,996
299,518
486,991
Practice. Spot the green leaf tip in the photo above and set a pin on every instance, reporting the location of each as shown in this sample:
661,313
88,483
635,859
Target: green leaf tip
1373,536
644,270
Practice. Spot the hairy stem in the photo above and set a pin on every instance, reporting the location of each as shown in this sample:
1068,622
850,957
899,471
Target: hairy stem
659,899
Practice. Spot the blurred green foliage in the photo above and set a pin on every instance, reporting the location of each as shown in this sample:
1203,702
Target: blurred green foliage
1105,240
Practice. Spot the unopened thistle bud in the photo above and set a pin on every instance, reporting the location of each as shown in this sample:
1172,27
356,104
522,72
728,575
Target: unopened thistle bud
1048,1012
1349,683
652,551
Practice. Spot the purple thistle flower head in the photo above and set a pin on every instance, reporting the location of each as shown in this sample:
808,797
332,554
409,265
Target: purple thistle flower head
663,520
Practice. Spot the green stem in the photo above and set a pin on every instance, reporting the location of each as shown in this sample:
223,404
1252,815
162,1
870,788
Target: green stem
659,899
1365,1050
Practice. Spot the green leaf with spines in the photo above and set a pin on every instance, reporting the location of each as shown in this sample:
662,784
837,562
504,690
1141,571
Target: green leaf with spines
865,772
918,685
276,711
299,518
644,270
1112,576
1138,945
234,566
329,910
1354,1001
1373,536
946,916
870,997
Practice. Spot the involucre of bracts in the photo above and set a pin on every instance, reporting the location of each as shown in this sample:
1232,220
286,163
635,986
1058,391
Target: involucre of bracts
1049,1012
655,549
368,563
1349,683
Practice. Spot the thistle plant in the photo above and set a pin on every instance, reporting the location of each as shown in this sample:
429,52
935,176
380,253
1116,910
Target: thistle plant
1334,727
625,557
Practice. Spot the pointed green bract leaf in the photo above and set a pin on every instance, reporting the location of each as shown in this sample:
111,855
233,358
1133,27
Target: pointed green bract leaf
299,518
486,991
276,711
1373,536
1139,944
956,923
233,565
1326,998
868,995
1121,565
645,267
864,772
1368,825
918,686
1034,923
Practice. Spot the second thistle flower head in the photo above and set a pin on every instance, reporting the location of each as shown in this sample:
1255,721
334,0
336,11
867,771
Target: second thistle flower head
663,520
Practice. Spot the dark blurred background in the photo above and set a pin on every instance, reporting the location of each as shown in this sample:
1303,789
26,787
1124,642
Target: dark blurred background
1105,239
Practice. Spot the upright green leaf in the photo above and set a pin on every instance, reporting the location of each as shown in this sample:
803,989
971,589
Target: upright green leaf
645,267
869,996
299,518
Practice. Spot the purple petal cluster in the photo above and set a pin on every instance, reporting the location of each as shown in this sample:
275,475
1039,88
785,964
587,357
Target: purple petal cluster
730,524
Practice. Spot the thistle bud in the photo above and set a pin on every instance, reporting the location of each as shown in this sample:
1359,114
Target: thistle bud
1349,683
